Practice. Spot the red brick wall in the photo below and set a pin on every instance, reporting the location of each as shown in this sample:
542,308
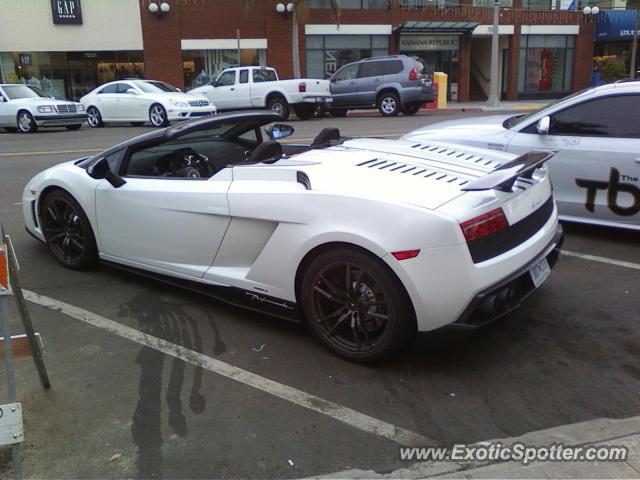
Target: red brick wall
192,19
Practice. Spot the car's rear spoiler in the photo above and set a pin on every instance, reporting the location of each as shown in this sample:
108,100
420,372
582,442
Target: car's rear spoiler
503,177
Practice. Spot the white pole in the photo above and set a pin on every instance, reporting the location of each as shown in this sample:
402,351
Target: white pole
238,40
494,98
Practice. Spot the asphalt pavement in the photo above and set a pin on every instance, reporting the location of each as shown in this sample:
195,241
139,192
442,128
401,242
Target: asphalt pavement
229,393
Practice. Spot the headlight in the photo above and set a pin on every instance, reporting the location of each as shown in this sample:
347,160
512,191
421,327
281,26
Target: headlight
45,109
80,107
179,104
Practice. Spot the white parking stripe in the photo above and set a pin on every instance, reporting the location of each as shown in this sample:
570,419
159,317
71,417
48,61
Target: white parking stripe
298,397
595,258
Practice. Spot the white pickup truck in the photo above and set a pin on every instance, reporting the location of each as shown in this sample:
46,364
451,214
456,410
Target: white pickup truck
259,87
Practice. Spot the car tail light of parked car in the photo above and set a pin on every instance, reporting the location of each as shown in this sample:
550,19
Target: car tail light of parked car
484,225
413,74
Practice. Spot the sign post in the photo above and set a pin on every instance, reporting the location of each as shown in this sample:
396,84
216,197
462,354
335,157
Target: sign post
13,407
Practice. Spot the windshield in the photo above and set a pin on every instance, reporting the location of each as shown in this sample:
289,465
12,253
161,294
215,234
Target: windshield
21,91
155,87
39,91
518,119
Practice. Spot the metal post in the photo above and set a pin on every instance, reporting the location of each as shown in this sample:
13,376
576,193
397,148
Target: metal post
494,98
10,372
238,40
634,47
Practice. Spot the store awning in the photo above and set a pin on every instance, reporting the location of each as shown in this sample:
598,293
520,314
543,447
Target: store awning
436,27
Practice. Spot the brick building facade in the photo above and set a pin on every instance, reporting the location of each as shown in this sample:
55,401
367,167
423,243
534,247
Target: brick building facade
544,53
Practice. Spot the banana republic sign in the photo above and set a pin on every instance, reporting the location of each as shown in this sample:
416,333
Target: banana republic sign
66,12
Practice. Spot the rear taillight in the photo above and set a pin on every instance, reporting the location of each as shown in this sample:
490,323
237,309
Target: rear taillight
484,225
413,74
302,87
405,254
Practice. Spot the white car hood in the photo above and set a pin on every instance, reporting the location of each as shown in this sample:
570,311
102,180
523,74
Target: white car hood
485,126
42,101
179,96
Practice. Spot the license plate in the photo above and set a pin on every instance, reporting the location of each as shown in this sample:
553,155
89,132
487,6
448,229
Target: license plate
540,272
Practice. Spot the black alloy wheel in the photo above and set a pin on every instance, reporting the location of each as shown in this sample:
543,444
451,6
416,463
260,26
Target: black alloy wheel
356,305
67,231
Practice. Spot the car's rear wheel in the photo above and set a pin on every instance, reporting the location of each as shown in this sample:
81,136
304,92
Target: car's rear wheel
411,110
305,112
74,127
94,118
389,104
67,231
356,305
158,116
26,123
278,104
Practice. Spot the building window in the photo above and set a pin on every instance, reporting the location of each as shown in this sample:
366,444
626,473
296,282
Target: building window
546,64
69,75
202,66
351,4
327,53
491,3
538,4
427,4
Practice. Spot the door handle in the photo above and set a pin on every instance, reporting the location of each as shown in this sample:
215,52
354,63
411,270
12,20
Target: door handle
232,89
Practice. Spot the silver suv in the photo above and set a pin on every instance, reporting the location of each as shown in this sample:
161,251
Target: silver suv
391,84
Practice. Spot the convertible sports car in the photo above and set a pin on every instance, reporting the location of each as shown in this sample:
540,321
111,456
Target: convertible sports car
369,240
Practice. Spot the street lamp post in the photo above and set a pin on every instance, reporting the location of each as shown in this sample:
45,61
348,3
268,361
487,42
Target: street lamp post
634,47
494,99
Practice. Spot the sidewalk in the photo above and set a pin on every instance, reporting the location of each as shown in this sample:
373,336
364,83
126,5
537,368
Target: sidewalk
468,107
600,432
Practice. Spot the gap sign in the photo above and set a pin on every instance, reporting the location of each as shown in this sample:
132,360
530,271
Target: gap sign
66,12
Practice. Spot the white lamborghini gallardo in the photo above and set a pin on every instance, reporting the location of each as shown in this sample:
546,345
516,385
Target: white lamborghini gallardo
369,240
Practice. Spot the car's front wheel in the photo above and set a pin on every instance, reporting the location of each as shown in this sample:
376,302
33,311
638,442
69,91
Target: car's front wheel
26,122
94,118
67,231
158,116
356,305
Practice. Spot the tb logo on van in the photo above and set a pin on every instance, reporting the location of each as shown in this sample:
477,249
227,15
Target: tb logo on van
613,187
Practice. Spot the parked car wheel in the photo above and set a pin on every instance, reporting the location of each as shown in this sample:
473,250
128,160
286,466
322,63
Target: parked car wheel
279,105
10,129
26,122
158,116
389,104
94,119
356,305
305,112
339,112
74,127
67,231
411,110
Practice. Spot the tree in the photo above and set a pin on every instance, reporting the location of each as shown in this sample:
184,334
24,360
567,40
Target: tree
300,10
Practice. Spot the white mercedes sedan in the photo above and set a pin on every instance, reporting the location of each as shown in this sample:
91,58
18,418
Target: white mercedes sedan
596,134
141,101
368,240
26,108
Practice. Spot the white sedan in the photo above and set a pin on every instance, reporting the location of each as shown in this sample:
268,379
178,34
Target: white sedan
25,109
596,133
369,240
140,101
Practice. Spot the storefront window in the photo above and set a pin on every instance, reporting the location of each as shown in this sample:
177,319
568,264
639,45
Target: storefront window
327,53
69,75
546,63
202,66
438,53
537,4
427,4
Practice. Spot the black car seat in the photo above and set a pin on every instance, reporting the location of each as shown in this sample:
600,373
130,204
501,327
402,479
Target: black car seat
266,151
325,137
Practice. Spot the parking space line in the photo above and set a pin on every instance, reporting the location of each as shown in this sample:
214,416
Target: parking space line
303,399
595,258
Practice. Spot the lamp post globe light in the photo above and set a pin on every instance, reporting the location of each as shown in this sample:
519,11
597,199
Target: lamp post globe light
290,7
165,7
153,7
280,8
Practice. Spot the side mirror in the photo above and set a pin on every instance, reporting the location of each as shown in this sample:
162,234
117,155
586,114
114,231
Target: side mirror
279,131
178,89
214,83
332,79
543,125
132,91
101,170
